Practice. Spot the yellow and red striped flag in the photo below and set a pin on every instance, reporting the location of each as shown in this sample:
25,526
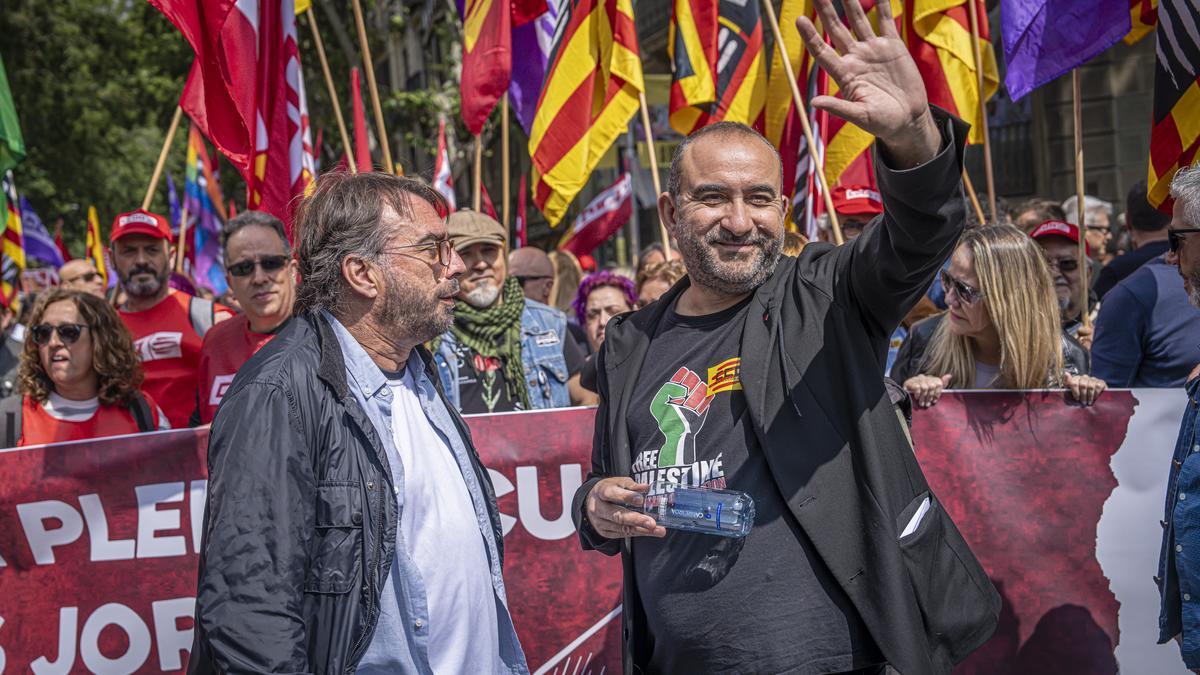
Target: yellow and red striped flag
1175,137
14,243
1143,15
591,91
715,47
939,39
95,245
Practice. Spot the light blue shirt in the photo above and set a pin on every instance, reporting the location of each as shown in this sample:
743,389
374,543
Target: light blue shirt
401,640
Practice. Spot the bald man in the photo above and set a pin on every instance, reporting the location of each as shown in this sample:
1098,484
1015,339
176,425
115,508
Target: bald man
531,266
81,275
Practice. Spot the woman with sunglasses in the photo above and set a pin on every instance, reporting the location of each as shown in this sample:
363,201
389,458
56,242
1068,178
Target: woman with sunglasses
1001,329
79,376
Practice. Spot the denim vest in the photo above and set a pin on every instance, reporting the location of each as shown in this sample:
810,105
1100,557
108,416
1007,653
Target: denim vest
543,333
1179,558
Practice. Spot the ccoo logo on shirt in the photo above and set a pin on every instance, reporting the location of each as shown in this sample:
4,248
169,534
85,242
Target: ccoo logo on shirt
161,345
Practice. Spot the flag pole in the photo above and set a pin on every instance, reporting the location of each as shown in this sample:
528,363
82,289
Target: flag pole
987,144
162,157
818,157
662,229
1077,106
505,179
369,66
179,250
333,96
974,197
477,175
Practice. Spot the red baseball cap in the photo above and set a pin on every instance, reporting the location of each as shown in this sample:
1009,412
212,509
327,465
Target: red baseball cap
1059,228
140,222
857,200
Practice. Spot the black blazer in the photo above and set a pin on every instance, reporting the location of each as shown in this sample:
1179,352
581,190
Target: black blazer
813,351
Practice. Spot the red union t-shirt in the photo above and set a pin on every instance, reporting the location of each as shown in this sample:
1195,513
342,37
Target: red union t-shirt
38,426
226,347
169,345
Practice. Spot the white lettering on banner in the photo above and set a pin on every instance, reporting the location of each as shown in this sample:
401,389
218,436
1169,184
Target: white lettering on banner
197,497
529,507
170,640
219,386
103,548
161,345
152,521
68,618
42,540
126,619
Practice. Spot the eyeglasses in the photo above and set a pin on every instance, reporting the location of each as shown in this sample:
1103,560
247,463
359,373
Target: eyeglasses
523,279
1175,236
68,332
269,264
965,293
445,250
1063,264
86,277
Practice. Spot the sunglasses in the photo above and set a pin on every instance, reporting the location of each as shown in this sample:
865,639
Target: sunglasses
523,279
269,264
965,293
444,248
1175,236
86,277
1063,264
68,332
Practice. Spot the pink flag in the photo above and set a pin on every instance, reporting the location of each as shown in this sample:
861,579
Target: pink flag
362,146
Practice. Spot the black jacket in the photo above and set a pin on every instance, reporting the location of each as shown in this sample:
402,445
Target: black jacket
300,526
813,350
910,360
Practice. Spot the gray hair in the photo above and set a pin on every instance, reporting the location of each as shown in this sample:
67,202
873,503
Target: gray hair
1185,190
341,218
257,218
725,128
1091,205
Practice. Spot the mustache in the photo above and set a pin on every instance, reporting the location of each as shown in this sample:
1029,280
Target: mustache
452,288
139,269
722,236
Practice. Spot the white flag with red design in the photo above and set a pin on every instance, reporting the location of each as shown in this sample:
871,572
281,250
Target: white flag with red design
443,182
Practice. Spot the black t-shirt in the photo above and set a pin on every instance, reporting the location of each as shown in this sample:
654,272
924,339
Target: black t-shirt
762,604
482,386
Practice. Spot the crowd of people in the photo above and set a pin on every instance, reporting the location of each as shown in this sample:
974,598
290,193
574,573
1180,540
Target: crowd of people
1005,312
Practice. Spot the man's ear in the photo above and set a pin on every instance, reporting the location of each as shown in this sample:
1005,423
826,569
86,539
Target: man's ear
362,276
667,212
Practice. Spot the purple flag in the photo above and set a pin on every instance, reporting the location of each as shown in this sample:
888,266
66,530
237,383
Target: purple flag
1046,38
39,244
530,52
173,204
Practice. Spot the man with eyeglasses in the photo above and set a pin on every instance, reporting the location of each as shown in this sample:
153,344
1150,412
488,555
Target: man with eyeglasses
504,352
168,326
262,275
1060,244
1147,331
81,275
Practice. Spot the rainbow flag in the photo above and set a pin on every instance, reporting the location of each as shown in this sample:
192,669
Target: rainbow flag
592,88
206,215
13,243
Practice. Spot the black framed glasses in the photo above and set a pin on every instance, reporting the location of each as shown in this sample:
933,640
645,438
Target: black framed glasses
1065,265
526,278
67,332
269,264
443,247
965,293
1175,236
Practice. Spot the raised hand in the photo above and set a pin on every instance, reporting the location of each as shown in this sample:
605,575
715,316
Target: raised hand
881,88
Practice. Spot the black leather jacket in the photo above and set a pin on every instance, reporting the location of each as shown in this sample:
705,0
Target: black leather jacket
300,526
910,360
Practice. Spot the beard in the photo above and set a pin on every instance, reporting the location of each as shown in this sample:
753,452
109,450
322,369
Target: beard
483,295
148,288
417,315
706,268
1194,286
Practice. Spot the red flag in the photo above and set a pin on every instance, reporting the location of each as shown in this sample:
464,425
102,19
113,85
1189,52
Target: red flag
521,226
362,145
524,11
486,202
486,59
246,95
58,241
603,216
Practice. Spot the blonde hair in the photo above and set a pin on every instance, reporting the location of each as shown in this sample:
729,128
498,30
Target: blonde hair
1021,303
567,275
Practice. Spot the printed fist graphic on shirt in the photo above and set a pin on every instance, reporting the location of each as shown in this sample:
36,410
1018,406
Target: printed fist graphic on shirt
680,407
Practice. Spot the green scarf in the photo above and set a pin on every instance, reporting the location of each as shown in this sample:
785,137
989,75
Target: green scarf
496,331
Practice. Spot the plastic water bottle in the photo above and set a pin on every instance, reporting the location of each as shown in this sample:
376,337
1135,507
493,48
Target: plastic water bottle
725,513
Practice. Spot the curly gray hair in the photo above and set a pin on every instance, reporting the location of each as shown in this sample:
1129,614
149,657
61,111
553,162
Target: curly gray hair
1185,190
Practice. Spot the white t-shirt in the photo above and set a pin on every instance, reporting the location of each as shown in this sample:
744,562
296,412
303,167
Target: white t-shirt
81,411
439,527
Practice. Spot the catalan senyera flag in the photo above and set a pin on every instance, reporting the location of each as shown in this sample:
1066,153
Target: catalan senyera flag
486,59
1175,137
1143,15
591,91
13,249
719,69
939,39
95,245
782,126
